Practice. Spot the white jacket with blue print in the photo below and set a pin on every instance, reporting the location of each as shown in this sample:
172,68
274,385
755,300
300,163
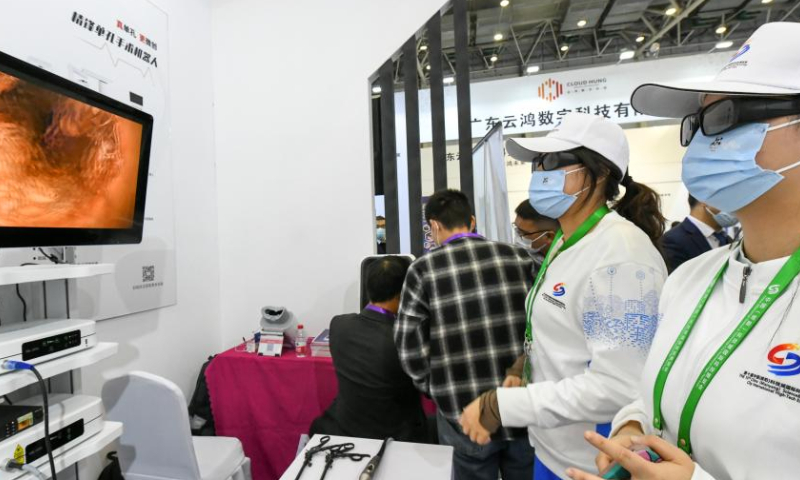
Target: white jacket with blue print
593,320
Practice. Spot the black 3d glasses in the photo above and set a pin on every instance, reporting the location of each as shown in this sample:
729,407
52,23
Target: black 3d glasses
726,114
555,160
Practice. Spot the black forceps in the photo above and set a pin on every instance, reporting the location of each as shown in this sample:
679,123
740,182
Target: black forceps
321,447
334,454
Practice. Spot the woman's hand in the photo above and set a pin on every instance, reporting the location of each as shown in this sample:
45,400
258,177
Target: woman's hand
675,464
623,438
512,381
471,423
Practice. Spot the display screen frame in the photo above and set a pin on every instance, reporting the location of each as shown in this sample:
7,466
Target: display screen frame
15,237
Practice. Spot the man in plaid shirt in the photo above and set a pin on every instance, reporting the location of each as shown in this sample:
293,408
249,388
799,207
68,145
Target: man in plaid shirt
461,324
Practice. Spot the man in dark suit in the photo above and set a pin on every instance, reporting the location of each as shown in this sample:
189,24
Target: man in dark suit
376,398
701,231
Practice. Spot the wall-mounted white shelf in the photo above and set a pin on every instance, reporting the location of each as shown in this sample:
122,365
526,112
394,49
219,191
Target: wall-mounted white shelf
42,273
13,381
91,446
10,382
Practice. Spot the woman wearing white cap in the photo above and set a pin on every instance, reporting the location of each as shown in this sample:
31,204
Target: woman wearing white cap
721,386
593,310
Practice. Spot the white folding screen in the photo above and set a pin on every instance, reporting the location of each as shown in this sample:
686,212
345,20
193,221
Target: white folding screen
491,188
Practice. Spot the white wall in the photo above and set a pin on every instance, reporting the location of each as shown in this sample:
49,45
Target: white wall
656,156
292,122
174,341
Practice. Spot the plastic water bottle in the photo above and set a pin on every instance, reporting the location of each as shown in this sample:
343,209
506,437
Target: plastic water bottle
300,345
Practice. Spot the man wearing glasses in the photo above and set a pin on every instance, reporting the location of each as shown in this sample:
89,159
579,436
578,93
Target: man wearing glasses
460,326
534,232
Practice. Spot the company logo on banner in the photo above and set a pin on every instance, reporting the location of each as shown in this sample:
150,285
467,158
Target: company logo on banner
587,85
585,95
536,103
550,90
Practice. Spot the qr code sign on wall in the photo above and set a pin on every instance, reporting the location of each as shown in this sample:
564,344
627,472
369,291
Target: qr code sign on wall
149,273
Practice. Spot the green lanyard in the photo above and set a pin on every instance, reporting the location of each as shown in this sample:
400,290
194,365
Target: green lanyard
581,232
776,288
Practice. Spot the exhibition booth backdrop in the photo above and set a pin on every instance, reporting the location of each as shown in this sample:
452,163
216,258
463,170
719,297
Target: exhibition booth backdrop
254,220
655,160
533,105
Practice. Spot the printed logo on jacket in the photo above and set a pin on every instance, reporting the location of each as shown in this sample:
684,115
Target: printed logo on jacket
783,362
559,290
745,48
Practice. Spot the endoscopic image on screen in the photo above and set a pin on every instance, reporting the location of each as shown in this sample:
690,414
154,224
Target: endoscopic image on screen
64,163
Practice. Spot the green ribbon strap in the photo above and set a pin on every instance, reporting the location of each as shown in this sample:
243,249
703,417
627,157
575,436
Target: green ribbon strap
581,232
776,288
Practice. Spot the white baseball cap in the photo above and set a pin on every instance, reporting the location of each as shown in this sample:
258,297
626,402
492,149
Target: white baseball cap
767,64
576,130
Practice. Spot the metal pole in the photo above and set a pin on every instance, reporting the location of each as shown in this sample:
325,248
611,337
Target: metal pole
791,11
536,43
514,36
389,150
437,103
412,147
555,43
461,22
670,25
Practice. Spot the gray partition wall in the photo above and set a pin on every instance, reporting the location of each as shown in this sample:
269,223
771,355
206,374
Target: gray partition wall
417,73
389,154
411,87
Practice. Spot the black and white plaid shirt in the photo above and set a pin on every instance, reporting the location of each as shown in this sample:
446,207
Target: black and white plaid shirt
462,320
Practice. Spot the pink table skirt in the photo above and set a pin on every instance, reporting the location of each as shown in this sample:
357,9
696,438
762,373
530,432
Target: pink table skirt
268,402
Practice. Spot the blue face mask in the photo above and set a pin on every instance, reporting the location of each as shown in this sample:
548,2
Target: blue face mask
721,170
381,234
724,219
547,192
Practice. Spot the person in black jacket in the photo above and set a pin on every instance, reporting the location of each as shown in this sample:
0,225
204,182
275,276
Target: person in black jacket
376,398
701,231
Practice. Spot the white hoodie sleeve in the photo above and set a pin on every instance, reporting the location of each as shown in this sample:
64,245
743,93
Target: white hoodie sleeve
619,316
700,474
633,412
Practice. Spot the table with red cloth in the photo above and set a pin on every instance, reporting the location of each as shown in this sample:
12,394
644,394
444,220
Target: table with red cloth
268,402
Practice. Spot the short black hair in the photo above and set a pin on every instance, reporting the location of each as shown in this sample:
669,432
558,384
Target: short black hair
385,277
380,217
692,201
526,211
451,208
